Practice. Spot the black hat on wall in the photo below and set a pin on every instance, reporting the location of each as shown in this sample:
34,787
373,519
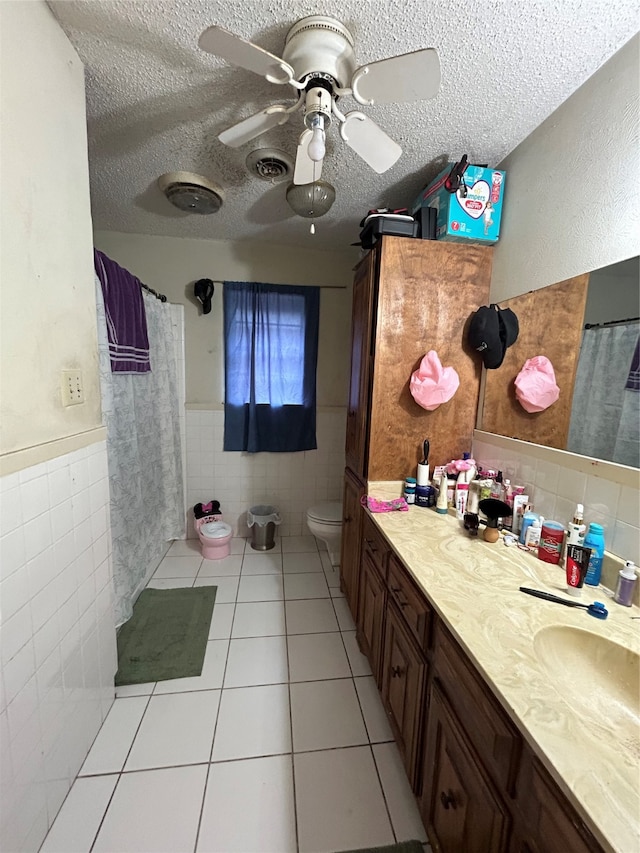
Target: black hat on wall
491,331
203,290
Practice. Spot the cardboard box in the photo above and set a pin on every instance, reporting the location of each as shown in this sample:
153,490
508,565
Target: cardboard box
475,218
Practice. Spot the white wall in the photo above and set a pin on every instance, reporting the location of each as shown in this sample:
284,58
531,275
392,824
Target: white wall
172,264
572,199
57,637
47,312
614,293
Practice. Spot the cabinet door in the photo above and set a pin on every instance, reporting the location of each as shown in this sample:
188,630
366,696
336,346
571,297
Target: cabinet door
351,536
371,611
403,681
460,809
361,357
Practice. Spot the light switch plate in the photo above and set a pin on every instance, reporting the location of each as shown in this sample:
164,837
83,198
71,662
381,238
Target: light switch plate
72,387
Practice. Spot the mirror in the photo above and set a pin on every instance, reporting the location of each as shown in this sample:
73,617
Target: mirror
588,327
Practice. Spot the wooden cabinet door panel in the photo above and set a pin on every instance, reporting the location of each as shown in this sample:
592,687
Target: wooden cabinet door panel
371,611
351,536
460,808
403,682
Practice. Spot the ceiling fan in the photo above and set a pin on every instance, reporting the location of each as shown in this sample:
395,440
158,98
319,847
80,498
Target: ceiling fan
318,61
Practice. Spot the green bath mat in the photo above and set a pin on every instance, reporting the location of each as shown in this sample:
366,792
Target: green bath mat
167,635
402,847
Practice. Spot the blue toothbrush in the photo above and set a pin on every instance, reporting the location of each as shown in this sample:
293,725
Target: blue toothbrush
596,609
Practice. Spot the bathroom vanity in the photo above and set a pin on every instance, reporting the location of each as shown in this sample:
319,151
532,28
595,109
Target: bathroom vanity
512,715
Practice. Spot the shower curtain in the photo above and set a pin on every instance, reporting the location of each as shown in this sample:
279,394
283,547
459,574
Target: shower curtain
605,416
144,455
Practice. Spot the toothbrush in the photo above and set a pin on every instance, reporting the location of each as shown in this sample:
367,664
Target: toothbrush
596,609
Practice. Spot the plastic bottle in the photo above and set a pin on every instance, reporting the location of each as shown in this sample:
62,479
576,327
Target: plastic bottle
627,578
527,518
410,490
594,540
497,490
442,505
576,528
532,536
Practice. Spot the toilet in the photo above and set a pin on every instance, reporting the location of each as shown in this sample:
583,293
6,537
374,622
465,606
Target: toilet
215,536
325,521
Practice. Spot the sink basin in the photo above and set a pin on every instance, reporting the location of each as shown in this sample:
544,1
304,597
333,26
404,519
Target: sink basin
594,675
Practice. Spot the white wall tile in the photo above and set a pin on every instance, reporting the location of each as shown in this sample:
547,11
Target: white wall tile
57,670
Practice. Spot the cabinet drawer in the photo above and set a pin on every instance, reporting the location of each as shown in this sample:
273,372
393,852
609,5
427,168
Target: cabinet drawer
488,728
411,602
375,545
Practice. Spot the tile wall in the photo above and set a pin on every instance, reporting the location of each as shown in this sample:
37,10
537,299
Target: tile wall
291,481
57,636
555,487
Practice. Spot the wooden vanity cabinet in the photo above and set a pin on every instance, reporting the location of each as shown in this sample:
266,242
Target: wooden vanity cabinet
372,596
352,519
460,806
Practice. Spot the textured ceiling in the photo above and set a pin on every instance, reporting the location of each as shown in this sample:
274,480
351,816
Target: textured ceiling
156,102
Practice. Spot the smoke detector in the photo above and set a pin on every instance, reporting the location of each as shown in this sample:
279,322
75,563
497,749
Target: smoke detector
270,164
191,193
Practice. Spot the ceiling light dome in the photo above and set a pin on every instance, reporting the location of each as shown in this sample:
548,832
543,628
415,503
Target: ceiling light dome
191,193
311,200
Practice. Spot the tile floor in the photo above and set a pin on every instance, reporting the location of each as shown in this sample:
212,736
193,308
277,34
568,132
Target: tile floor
281,744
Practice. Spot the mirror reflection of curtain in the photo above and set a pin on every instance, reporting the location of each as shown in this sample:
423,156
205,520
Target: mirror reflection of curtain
605,418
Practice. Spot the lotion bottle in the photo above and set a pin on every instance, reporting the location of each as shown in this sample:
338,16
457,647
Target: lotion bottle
626,582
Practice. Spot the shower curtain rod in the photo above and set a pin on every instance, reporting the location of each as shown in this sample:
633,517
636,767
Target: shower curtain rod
611,323
159,296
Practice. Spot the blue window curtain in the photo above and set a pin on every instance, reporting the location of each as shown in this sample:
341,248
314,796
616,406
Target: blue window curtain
270,357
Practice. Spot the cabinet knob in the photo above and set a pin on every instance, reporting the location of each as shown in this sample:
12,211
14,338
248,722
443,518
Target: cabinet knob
347,519
448,800
371,544
396,671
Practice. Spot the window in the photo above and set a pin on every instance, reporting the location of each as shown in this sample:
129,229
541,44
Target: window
271,352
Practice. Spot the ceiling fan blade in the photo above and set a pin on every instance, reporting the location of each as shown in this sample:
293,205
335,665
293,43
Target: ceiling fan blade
237,51
307,170
253,126
369,141
399,79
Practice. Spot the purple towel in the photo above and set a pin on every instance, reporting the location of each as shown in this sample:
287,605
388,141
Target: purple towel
126,317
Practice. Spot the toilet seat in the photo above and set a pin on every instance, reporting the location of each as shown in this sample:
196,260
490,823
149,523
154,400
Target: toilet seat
329,513
215,530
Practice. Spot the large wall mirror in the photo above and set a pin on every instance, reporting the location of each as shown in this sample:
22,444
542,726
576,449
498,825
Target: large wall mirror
589,328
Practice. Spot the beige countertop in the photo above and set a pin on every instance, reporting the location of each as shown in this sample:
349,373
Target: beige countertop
473,586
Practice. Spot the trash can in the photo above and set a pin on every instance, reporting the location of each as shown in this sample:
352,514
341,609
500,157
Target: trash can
262,520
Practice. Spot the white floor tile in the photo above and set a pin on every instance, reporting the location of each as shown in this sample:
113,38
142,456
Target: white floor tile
310,585
262,564
375,717
359,663
310,616
179,567
339,801
78,820
176,729
262,660
253,721
316,656
155,811
333,578
299,544
259,619
211,676
227,587
112,745
336,592
184,548
170,583
296,563
402,806
345,619
126,690
221,621
326,714
220,568
249,807
261,588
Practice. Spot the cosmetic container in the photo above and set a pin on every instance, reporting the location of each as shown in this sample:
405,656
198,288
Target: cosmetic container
627,578
594,540
410,490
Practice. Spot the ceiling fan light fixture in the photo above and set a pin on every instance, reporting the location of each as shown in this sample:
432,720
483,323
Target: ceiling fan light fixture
191,193
311,200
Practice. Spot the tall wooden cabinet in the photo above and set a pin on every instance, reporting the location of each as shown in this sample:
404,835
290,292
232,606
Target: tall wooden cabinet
409,297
